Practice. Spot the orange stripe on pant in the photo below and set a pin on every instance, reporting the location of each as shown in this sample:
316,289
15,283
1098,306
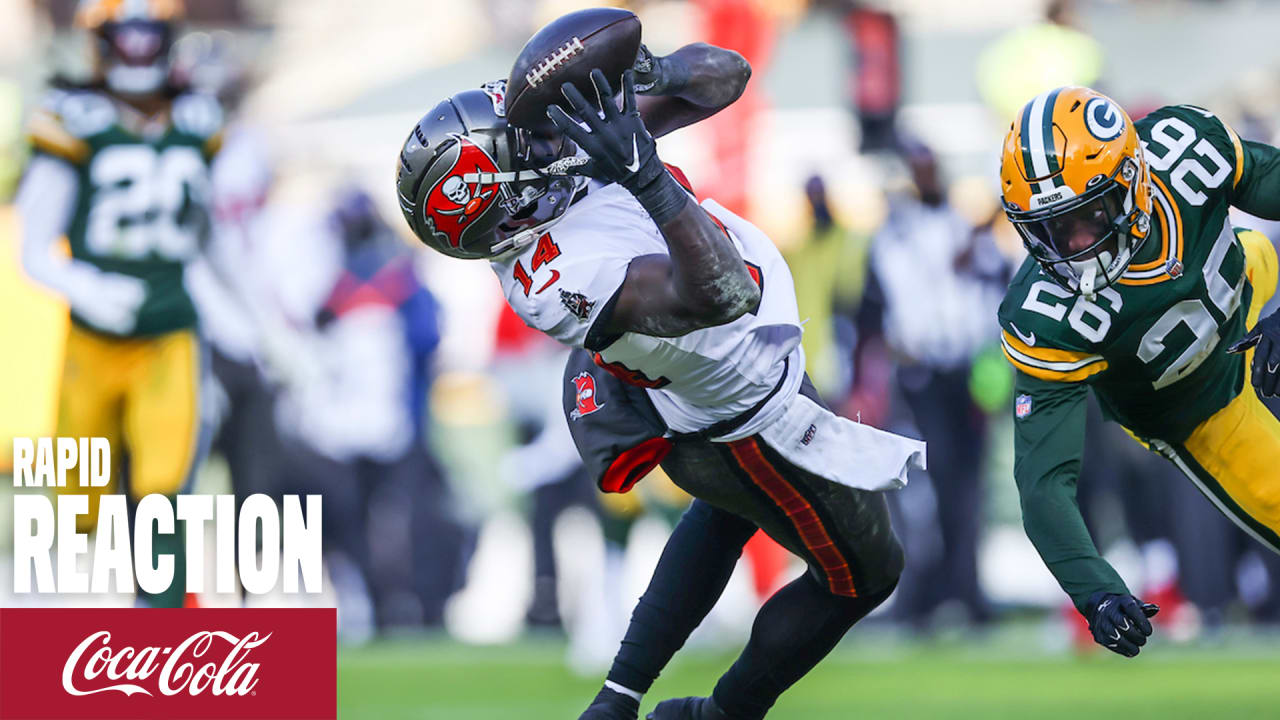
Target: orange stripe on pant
801,514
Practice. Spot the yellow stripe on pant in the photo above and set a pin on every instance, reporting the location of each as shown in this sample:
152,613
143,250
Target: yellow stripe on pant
1234,456
142,394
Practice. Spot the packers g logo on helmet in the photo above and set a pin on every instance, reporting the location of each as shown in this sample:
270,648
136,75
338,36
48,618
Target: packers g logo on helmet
1076,187
1104,120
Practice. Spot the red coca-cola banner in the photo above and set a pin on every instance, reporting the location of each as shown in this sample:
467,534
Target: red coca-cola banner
192,664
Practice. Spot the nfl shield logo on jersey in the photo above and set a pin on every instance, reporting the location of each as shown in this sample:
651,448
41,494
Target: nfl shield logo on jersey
1022,406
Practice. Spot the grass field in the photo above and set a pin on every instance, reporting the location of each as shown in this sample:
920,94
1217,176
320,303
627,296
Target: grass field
993,677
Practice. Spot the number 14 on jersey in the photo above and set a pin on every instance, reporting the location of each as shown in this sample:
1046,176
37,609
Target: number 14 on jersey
546,252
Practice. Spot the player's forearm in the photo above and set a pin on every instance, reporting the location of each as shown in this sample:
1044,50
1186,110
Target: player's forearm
701,282
45,202
1055,527
707,272
1259,192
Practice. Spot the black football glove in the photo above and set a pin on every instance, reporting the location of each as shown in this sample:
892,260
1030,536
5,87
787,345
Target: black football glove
1266,358
1119,622
621,149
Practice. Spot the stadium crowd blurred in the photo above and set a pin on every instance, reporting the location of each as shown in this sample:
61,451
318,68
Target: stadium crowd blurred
349,362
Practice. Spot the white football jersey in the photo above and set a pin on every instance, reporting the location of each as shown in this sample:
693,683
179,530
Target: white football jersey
562,283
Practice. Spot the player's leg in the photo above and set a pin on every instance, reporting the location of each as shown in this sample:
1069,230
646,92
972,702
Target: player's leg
1232,458
854,561
90,401
1233,455
691,574
845,537
163,433
843,534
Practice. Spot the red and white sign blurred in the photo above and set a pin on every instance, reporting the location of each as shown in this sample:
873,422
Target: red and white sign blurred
196,664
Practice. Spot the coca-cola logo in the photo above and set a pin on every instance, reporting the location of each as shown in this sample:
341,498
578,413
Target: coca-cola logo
193,666
168,664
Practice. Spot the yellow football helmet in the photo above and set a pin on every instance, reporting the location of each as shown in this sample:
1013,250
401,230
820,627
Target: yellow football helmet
1076,187
132,41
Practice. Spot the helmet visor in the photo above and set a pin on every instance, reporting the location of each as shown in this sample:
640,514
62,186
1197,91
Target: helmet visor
1082,232
137,42
532,205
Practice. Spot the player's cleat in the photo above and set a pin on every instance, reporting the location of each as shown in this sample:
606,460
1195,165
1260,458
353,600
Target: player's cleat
688,708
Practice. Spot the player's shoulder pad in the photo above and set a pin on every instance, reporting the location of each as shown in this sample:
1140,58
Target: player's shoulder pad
200,115
1034,333
66,119
1167,126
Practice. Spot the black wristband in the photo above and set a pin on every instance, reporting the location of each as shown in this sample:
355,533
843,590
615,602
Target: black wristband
663,198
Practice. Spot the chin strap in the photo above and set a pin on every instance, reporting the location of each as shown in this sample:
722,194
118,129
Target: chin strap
1089,283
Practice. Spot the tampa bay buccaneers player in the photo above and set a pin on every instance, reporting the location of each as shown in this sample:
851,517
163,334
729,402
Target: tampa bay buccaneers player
695,307
1138,287
119,167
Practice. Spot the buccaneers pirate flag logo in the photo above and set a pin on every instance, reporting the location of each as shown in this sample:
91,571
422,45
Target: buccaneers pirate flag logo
585,401
453,203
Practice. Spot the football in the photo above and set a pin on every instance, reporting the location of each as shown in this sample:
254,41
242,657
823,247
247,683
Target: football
565,51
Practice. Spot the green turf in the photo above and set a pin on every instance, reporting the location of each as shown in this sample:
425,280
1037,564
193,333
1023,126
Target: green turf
441,680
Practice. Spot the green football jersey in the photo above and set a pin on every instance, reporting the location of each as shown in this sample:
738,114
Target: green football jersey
142,205
1153,346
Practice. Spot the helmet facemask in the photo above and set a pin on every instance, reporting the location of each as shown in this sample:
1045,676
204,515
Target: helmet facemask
134,55
1086,242
539,194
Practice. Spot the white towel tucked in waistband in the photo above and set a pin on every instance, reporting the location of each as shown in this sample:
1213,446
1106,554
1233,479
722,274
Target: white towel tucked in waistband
841,450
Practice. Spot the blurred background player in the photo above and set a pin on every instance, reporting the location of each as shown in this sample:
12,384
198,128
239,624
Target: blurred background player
933,329
120,167
355,430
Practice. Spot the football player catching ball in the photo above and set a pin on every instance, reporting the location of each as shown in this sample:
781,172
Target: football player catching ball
1138,287
599,245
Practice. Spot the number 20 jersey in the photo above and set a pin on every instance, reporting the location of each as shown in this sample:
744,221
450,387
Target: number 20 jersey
1153,346
566,282
143,191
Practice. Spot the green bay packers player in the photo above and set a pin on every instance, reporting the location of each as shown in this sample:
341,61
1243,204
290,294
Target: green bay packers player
1138,286
119,168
